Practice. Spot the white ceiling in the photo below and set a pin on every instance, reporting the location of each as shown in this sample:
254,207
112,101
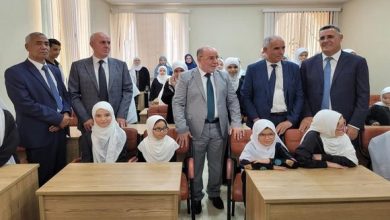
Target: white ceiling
222,2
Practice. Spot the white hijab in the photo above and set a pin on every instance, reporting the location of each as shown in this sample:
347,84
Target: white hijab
157,150
2,130
325,122
108,142
236,78
381,103
297,53
162,78
254,150
136,67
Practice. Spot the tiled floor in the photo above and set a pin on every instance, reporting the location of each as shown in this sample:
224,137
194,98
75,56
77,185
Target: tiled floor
208,210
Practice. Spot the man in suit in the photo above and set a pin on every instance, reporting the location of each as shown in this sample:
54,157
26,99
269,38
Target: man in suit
335,80
272,88
201,103
42,107
99,78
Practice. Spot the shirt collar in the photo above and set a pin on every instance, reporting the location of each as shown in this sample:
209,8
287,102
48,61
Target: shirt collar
96,60
335,56
38,65
269,63
202,73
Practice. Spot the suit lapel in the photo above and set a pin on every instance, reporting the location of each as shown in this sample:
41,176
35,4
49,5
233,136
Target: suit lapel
35,73
319,65
112,68
286,79
340,65
198,81
91,72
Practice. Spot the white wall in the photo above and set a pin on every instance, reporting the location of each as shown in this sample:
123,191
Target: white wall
18,18
100,16
233,31
365,28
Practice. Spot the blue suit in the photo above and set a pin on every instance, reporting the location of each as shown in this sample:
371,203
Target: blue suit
254,92
36,111
350,88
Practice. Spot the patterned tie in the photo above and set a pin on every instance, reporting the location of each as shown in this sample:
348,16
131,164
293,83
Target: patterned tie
271,85
210,99
326,92
53,88
103,93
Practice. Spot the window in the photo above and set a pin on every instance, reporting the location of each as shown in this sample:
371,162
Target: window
149,35
299,28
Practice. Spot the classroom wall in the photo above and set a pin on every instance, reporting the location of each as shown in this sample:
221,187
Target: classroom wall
365,28
18,18
232,30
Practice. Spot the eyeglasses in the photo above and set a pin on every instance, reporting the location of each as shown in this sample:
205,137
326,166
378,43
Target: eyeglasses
230,67
269,135
164,129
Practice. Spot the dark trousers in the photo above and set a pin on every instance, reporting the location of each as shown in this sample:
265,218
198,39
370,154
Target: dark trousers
51,159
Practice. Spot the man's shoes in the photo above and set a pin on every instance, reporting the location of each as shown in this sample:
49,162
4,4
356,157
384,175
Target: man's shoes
197,207
217,202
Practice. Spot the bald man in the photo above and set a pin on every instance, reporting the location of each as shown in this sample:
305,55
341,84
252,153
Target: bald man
99,78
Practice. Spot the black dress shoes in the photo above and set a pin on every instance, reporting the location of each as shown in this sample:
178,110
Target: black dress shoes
197,207
217,202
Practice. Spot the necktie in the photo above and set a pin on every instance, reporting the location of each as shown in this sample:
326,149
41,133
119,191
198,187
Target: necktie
103,93
210,99
53,88
326,91
271,85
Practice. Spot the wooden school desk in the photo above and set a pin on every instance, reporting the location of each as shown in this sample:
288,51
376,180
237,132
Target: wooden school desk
336,194
18,183
112,191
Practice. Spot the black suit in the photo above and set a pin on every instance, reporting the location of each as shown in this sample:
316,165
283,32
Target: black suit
350,87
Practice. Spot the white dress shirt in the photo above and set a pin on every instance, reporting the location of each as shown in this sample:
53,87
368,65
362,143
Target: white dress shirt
279,104
96,68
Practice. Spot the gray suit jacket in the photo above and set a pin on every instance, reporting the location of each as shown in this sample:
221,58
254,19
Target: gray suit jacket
189,103
84,89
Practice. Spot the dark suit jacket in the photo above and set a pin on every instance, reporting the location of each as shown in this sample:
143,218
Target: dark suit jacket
35,106
254,92
350,89
84,89
11,139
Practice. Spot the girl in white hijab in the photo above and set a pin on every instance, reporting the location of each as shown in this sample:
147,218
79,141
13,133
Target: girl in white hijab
157,146
300,55
158,84
326,144
379,113
9,137
107,142
264,151
232,66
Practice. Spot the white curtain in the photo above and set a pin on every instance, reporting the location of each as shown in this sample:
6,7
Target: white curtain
149,35
151,40
298,28
123,37
176,36
69,22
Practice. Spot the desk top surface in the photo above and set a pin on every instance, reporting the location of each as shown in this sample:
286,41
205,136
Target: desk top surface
117,178
11,174
320,185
